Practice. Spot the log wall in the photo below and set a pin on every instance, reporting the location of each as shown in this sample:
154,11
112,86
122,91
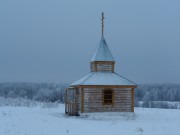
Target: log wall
93,100
107,66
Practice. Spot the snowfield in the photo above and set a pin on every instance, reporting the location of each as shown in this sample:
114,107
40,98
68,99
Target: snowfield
52,121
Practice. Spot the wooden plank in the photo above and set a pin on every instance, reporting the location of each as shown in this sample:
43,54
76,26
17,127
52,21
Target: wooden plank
82,100
109,108
113,97
77,100
93,101
104,62
132,99
102,66
107,86
95,67
102,98
68,108
66,103
113,67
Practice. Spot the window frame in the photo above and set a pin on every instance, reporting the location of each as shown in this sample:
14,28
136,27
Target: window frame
103,97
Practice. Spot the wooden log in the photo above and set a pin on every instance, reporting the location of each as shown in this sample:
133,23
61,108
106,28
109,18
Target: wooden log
68,108
132,99
66,103
77,100
82,100
93,101
107,86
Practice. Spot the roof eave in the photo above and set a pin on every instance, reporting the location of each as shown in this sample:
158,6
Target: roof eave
110,86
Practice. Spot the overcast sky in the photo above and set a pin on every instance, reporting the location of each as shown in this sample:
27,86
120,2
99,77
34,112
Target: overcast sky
54,40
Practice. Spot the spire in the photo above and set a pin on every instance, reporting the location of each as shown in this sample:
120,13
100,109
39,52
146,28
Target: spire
102,52
102,24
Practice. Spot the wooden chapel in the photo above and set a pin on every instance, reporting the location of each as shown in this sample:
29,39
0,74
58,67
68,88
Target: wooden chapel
101,90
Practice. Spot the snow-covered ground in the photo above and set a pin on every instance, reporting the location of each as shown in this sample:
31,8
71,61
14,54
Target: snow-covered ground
52,121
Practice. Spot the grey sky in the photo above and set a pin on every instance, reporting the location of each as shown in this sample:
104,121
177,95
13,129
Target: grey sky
53,41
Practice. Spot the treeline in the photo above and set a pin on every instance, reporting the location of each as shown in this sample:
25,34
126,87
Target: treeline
146,95
151,95
48,92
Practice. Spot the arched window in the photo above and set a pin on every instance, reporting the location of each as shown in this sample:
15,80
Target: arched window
108,97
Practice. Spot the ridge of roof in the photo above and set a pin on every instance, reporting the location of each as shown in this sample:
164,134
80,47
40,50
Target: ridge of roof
102,52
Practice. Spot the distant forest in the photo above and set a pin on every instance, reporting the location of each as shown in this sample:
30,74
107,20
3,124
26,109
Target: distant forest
46,92
157,95
146,95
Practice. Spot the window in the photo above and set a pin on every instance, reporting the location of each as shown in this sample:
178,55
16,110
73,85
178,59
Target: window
108,97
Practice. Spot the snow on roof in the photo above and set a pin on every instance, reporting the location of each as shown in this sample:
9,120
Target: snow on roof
102,52
103,78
